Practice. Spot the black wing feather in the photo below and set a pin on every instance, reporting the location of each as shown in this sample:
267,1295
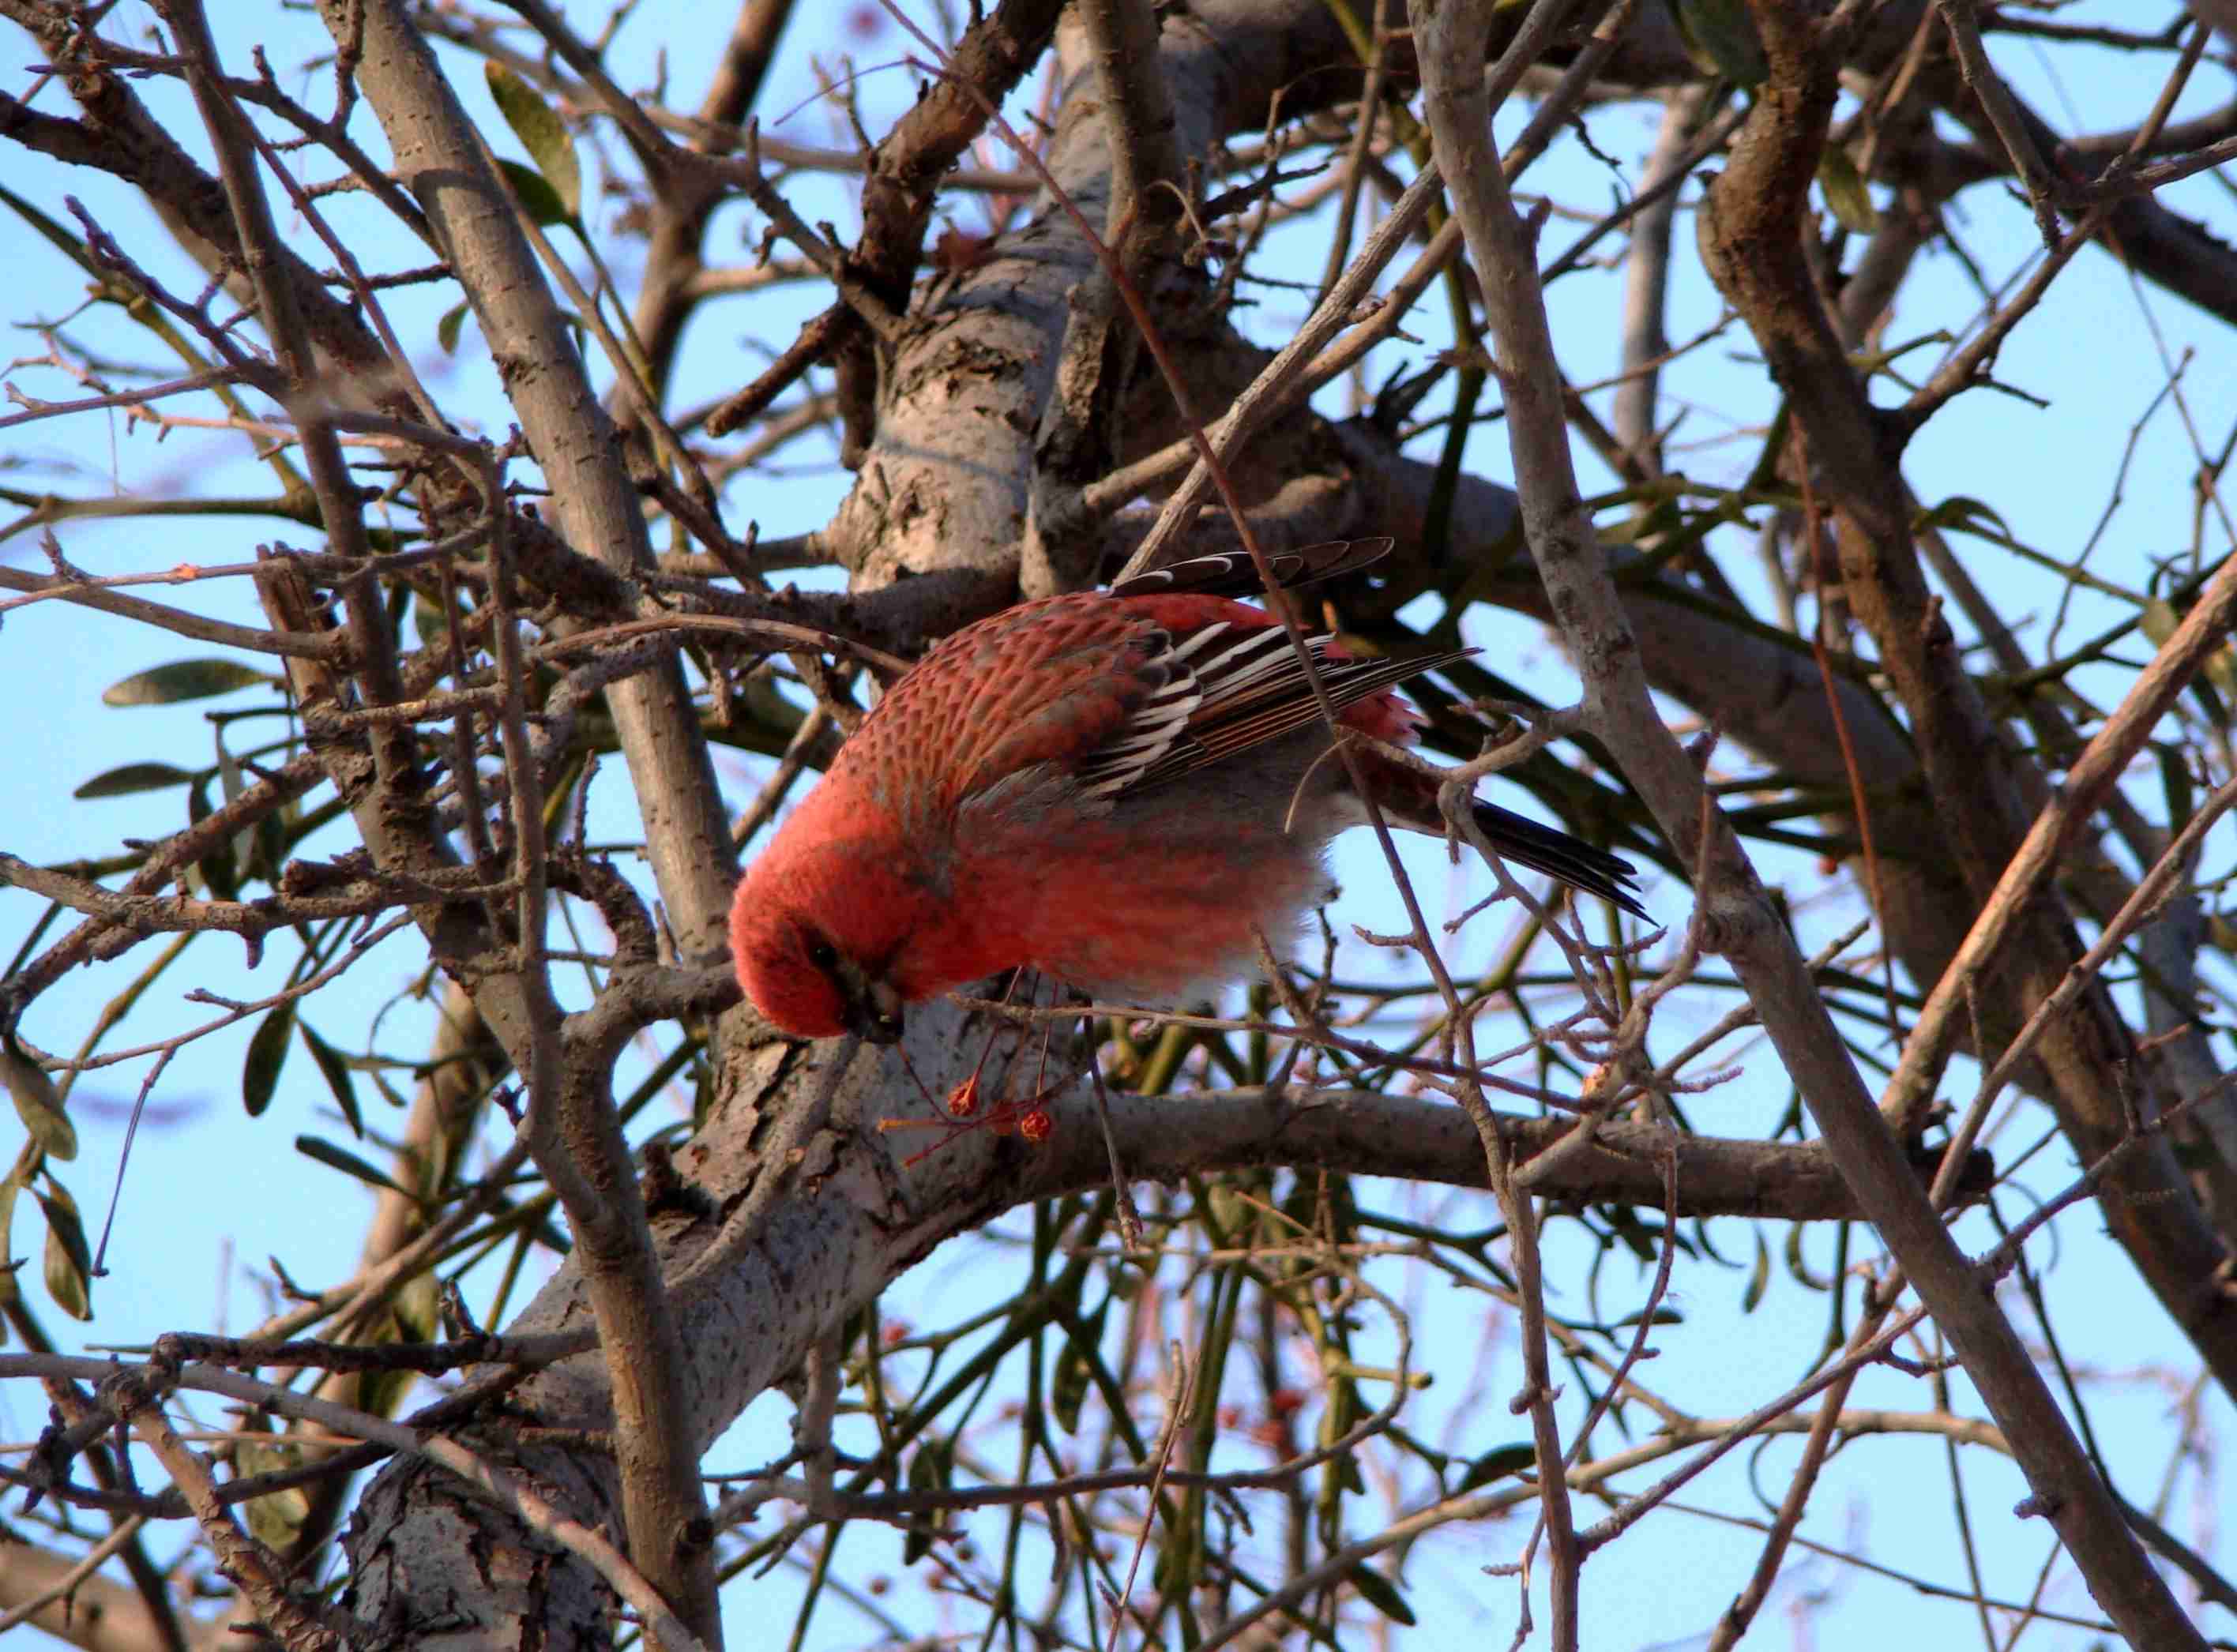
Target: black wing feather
1231,573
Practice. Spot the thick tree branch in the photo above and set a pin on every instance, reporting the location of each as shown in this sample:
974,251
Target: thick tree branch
1751,238
2068,1487
440,158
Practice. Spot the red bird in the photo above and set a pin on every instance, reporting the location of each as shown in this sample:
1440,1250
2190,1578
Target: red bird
1118,789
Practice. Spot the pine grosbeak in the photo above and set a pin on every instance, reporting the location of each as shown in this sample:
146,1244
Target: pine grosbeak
1119,789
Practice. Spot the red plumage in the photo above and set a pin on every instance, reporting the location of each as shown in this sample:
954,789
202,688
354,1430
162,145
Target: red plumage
1120,789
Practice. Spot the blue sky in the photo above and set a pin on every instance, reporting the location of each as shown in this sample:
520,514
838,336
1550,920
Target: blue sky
211,1194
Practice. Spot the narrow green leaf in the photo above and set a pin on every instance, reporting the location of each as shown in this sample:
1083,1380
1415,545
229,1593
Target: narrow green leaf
1720,33
1965,513
1797,1264
7,1286
348,1164
69,244
335,1067
66,1281
1645,1242
221,878
453,323
2220,670
537,197
932,1469
1759,1281
542,132
134,777
1846,191
2196,1157
267,1054
1073,1375
37,1102
427,622
233,783
166,685
1496,1464
2175,784
1344,1468
276,1519
69,1264
2159,621
271,840
1381,1593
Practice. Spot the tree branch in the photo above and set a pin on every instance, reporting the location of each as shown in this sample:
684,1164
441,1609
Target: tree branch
1584,598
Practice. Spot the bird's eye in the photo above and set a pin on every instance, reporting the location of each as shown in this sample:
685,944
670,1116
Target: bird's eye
823,956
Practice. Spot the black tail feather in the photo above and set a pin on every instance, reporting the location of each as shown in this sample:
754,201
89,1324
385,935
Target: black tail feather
1517,837
1557,855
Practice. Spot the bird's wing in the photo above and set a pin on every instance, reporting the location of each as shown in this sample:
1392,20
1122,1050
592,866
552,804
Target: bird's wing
1247,686
1231,573
1033,691
1108,694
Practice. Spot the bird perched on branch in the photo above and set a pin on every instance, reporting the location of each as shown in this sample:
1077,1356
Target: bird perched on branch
1120,789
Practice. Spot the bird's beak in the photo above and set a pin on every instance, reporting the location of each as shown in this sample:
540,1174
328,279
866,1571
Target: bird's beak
872,1010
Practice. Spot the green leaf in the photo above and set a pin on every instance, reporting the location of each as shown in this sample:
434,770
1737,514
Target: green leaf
69,1264
277,1518
537,199
932,1469
2159,621
1381,1593
1965,514
1073,1375
1759,1281
2175,784
37,1102
69,244
1344,1468
543,133
166,685
7,1286
335,1067
133,777
221,878
427,622
2220,670
389,1093
267,1054
1496,1464
1662,517
1846,191
1797,1264
2198,1158
1720,33
453,322
233,783
348,1164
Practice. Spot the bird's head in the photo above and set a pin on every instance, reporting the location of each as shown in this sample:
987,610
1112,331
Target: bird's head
824,936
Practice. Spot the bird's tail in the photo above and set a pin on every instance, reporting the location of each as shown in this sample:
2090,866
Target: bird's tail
1409,800
1576,863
